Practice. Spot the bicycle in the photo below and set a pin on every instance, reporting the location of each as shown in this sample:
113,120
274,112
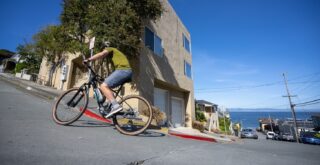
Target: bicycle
135,117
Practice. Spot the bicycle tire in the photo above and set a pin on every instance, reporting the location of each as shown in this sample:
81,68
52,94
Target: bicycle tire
144,111
61,106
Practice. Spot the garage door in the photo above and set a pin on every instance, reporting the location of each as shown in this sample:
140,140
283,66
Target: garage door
161,100
177,112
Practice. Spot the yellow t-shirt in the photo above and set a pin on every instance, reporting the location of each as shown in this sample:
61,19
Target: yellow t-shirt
119,60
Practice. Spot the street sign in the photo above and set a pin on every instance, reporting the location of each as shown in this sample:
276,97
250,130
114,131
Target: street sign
91,45
64,73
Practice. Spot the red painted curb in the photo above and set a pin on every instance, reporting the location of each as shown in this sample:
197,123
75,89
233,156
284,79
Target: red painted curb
186,136
93,115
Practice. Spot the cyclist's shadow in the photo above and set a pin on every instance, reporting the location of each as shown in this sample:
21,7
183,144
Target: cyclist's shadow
91,123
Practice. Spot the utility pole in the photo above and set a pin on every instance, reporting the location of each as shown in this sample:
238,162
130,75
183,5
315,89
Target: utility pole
224,118
292,108
270,123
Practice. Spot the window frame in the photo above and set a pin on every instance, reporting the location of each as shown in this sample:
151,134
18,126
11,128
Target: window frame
157,47
187,47
186,69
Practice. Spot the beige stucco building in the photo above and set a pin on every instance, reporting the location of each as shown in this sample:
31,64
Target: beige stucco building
211,113
162,74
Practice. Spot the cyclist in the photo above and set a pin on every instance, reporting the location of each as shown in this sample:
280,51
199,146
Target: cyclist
122,73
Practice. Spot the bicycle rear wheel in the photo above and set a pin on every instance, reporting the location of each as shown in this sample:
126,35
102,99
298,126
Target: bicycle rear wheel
70,106
135,117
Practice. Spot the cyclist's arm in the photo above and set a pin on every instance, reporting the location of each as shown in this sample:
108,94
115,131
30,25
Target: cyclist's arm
99,55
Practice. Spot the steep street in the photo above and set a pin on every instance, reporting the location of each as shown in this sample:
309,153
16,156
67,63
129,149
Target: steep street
29,136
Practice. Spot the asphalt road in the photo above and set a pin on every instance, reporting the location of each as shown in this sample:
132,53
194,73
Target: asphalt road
29,136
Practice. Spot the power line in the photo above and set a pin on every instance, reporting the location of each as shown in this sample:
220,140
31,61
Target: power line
316,101
235,88
304,76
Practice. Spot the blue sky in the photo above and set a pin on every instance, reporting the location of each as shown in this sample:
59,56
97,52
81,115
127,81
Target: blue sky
246,45
240,48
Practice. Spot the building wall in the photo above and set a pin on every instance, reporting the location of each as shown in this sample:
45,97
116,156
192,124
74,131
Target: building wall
167,72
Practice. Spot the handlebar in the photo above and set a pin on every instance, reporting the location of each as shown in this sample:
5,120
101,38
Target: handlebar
91,71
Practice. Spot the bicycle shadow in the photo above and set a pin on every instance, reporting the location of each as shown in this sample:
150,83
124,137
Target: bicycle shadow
151,133
89,123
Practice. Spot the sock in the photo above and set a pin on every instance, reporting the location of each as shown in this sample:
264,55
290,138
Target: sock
114,102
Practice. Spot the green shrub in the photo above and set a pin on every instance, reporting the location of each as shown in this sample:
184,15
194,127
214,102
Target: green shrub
200,116
222,124
20,66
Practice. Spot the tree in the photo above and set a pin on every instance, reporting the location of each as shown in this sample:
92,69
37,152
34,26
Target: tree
200,115
52,42
224,124
29,59
118,21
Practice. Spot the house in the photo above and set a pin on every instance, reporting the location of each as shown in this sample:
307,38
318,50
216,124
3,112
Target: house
303,125
5,54
268,124
210,111
6,61
162,74
316,121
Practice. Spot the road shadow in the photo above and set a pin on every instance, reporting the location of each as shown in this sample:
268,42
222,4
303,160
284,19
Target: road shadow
150,133
88,123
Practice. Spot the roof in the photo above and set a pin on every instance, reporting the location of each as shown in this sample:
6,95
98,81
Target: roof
265,120
6,53
316,115
204,102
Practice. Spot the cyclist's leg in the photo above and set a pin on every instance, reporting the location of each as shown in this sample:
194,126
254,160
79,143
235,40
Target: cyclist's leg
117,78
106,91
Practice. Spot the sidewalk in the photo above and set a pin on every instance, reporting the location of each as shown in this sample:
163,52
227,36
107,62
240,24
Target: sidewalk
51,93
190,133
39,90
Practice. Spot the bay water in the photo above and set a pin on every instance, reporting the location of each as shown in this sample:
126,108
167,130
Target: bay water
251,119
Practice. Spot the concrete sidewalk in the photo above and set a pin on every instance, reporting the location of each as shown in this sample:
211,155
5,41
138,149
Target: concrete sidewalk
190,133
34,88
52,93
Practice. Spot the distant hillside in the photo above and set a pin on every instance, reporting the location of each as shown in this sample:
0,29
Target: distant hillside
270,110
6,53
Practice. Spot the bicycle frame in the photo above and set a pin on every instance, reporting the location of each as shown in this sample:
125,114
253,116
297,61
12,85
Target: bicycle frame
93,79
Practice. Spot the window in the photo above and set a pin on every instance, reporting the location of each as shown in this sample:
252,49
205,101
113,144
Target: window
153,42
149,38
157,46
187,69
186,43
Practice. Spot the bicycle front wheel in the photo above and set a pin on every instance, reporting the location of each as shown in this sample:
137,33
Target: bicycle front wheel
135,117
70,106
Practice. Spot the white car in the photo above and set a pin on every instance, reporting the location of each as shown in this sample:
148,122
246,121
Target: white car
270,135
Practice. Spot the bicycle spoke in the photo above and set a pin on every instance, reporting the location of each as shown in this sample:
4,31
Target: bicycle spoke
70,106
135,117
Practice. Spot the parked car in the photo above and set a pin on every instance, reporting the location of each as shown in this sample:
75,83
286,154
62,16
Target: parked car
286,137
248,133
310,137
270,135
276,137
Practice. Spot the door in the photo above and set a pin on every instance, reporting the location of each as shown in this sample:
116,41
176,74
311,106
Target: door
161,100
177,108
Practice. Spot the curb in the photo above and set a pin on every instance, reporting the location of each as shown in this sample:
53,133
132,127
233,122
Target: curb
221,138
186,136
193,137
